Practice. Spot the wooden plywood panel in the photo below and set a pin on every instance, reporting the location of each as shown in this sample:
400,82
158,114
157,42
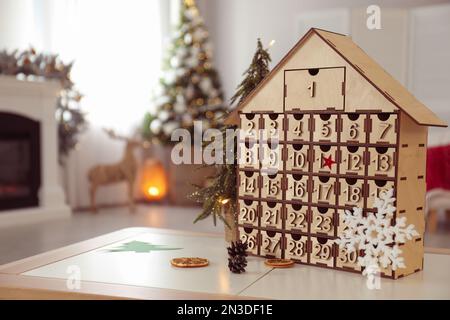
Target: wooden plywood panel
411,189
312,52
383,81
302,203
368,85
314,89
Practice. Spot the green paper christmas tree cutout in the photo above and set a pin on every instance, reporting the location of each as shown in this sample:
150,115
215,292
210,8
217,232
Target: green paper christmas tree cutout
139,247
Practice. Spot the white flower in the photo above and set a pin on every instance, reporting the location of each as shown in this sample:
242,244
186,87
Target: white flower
375,235
170,77
179,107
181,52
195,51
179,72
180,99
155,126
175,62
169,127
163,115
187,119
206,85
190,13
188,38
191,62
205,124
199,34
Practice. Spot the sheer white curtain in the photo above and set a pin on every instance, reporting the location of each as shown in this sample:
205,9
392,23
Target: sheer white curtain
116,45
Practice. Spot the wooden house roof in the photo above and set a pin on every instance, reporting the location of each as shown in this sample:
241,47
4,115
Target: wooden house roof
390,88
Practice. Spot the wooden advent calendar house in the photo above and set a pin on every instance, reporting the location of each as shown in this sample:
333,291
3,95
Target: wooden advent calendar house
348,131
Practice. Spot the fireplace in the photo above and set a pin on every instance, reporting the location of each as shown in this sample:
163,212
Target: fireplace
20,170
30,189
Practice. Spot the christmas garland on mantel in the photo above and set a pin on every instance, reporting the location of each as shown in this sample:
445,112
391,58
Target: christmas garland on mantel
28,64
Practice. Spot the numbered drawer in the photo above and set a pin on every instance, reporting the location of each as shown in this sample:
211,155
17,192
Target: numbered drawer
381,162
324,159
351,192
353,128
249,126
341,225
324,190
271,244
322,251
271,187
297,187
250,236
271,157
383,128
352,160
273,127
376,188
341,215
297,157
297,127
248,155
296,217
296,247
325,128
248,212
248,184
272,215
347,260
322,220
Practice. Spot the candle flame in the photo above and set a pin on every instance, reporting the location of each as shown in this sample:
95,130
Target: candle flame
153,191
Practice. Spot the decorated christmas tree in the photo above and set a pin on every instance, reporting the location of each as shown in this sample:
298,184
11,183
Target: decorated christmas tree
190,89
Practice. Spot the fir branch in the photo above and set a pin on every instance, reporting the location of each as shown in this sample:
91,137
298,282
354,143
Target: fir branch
223,184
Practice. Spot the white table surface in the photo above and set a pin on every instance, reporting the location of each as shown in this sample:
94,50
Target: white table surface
307,282
153,270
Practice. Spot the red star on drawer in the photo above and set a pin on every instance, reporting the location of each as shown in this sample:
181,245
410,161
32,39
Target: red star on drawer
327,162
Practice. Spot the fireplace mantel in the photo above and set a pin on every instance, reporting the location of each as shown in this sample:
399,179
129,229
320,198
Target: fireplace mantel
37,100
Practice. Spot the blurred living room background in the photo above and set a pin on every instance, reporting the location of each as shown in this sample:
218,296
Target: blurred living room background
129,84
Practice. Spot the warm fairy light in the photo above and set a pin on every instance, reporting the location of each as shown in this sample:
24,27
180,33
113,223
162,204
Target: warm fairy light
224,201
153,191
271,43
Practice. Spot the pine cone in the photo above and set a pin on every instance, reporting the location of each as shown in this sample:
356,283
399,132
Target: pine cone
237,264
237,260
237,248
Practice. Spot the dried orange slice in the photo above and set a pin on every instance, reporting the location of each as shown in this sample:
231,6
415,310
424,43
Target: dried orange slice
189,262
279,263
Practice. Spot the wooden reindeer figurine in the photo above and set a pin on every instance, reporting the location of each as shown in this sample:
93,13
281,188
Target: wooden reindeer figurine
124,170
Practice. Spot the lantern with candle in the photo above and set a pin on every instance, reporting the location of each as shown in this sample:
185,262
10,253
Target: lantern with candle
153,180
